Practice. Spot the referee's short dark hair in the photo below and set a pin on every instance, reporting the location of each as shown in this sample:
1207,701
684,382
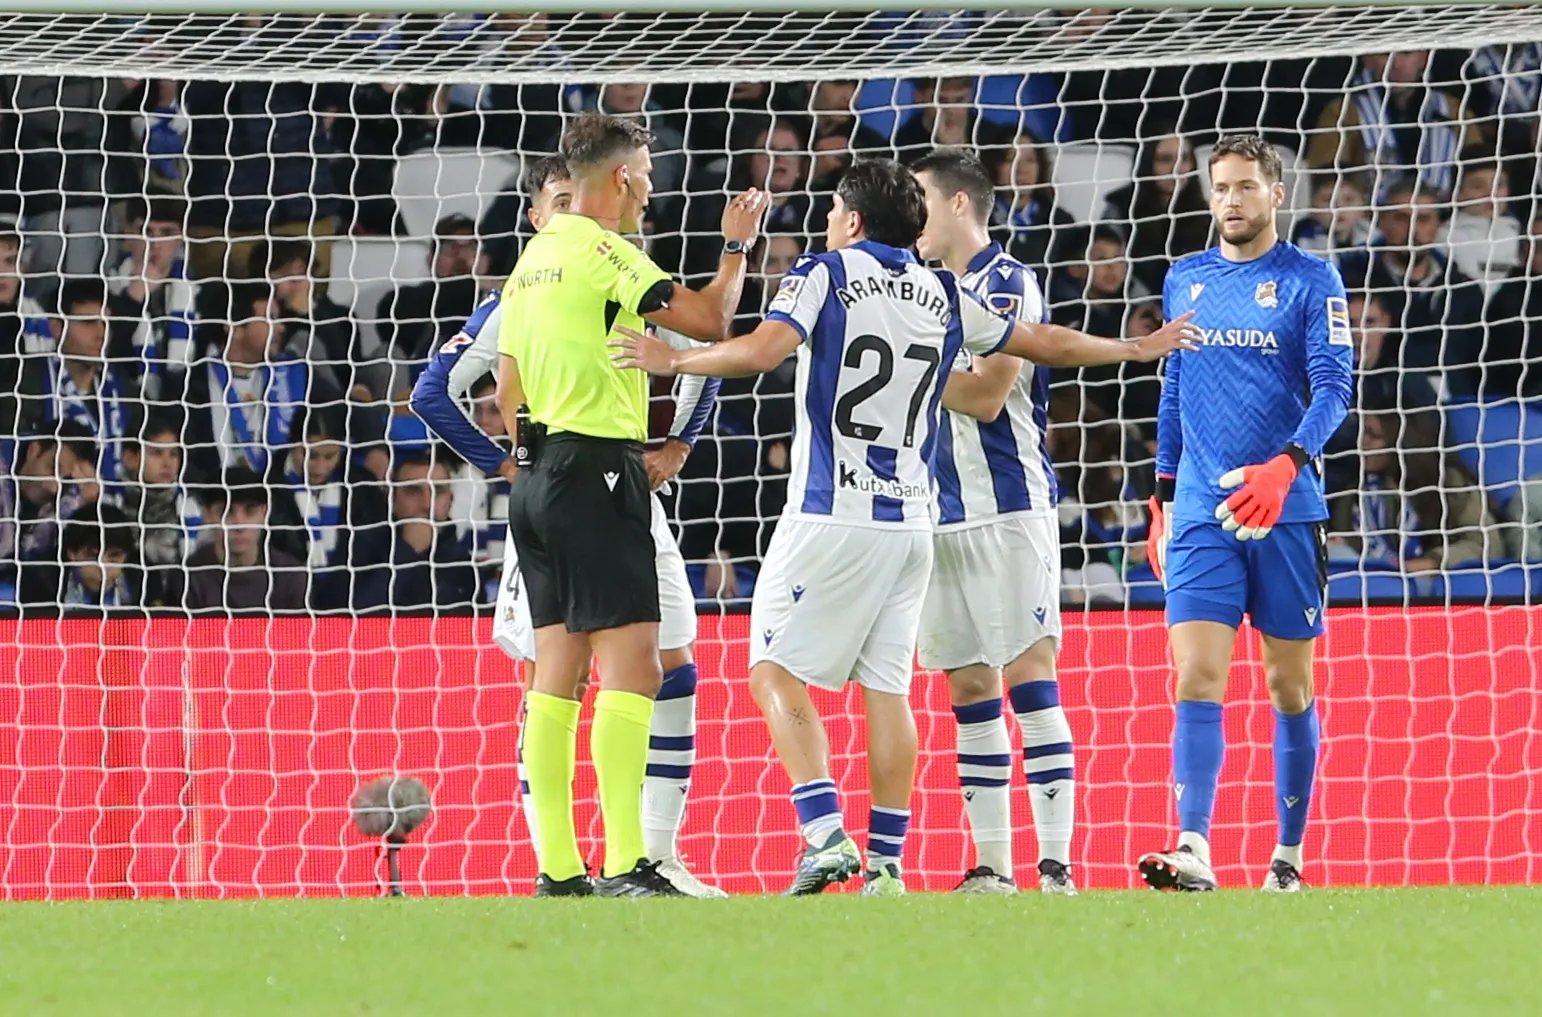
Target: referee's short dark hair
958,170
1254,148
596,138
544,170
888,198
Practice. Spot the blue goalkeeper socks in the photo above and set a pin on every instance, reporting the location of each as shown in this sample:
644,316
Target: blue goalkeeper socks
1199,745
1295,765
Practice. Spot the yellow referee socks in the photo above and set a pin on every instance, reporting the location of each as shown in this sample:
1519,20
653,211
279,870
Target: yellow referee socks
619,744
551,749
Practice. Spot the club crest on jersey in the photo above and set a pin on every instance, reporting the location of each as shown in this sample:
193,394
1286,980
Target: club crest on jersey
1005,271
1195,289
1265,295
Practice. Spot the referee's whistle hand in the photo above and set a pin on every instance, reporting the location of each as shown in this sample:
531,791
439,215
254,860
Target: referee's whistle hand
741,216
1179,334
643,352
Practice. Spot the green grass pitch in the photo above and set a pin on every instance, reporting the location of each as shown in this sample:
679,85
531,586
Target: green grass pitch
1363,952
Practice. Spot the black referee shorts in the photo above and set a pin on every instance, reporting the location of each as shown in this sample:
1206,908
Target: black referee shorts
580,518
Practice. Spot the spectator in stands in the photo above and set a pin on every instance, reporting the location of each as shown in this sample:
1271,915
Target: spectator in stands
1505,83
1339,218
259,164
169,518
239,569
52,477
777,162
832,158
428,566
326,511
635,101
1412,508
25,330
415,320
833,105
1513,318
945,115
1392,124
1164,212
1379,379
95,568
80,384
242,397
1026,219
1482,238
147,140
1100,524
61,135
323,329
1432,303
152,298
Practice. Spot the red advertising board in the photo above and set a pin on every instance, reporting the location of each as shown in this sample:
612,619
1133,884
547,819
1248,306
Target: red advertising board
216,758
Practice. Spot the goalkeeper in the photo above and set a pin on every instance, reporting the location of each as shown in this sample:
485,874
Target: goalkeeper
1237,524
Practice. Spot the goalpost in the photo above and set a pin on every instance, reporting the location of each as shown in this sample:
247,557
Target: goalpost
149,754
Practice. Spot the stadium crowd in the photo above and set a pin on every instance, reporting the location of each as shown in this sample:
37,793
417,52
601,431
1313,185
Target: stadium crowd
173,366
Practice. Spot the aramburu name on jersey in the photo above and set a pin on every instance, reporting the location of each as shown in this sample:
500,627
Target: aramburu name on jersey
895,288
1251,338
859,478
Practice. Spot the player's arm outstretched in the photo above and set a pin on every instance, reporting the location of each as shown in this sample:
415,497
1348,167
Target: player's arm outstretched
1058,346
1254,509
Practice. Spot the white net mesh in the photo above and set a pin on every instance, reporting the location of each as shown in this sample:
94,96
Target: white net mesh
240,240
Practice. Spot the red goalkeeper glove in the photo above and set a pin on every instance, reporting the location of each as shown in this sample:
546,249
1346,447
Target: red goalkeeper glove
1254,510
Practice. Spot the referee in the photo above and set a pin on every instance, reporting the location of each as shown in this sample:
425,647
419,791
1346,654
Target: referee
579,507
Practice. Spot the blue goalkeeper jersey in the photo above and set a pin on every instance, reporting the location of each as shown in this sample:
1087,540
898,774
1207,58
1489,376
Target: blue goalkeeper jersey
1275,369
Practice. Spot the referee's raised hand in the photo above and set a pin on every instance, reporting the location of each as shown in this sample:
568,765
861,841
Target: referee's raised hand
741,217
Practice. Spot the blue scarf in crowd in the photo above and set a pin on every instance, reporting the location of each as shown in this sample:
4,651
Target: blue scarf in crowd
101,411
259,425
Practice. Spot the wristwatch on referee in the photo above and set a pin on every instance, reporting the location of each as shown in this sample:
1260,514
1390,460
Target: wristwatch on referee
735,247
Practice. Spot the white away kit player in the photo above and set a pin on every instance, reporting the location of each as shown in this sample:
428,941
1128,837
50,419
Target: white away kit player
993,608
840,594
473,353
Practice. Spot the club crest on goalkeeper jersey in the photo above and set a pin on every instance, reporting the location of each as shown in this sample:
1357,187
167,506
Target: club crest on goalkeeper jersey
880,333
989,470
1275,369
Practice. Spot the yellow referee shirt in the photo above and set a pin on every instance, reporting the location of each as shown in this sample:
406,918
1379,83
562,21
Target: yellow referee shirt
575,281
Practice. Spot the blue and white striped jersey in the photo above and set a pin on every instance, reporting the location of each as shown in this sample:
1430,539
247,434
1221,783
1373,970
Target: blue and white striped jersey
986,471
880,333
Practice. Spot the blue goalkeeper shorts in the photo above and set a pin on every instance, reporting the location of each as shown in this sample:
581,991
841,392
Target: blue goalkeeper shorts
1279,582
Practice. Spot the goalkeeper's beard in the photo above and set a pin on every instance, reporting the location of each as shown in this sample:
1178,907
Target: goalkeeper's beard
1248,232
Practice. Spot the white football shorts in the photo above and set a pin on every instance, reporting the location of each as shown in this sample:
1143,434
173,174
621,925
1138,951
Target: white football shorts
841,603
512,630
995,591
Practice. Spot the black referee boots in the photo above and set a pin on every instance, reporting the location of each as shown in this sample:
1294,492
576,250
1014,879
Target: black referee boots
642,881
577,886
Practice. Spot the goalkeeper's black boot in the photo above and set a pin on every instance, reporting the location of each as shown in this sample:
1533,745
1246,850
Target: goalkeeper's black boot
643,881
576,886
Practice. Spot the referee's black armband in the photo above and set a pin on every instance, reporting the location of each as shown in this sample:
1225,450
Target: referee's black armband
657,297
1298,455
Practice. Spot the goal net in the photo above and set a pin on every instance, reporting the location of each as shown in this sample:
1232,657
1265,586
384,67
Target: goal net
231,243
